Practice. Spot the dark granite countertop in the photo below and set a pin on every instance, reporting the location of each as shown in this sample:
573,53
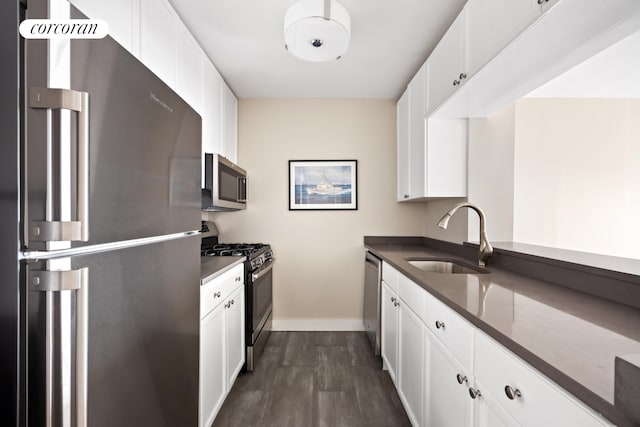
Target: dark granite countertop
213,266
570,336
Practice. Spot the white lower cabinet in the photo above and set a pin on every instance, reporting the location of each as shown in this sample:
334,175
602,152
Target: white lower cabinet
530,398
411,362
447,399
234,339
213,383
222,348
450,374
488,412
389,335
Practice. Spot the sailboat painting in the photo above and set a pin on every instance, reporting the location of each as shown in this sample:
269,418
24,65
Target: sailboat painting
323,184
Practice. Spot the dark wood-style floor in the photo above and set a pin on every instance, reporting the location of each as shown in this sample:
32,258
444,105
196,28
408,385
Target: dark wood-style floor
314,379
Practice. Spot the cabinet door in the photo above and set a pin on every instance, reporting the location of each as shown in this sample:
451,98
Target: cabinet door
402,124
229,124
533,400
548,4
212,365
118,14
446,64
211,111
235,343
417,140
158,41
189,69
486,35
389,345
411,362
488,413
448,403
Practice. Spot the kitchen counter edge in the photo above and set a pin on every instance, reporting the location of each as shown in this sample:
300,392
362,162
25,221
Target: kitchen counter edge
213,266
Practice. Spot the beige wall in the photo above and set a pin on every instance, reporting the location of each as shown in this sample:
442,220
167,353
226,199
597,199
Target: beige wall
319,270
577,172
560,172
490,173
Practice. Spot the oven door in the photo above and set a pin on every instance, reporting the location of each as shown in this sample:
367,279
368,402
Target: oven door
261,299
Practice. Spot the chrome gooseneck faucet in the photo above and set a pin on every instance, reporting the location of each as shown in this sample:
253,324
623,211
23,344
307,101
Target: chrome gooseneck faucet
485,250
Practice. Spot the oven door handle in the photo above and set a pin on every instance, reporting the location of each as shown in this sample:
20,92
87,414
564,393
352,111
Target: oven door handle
262,272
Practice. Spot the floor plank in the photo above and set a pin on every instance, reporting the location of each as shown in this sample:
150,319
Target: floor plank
314,379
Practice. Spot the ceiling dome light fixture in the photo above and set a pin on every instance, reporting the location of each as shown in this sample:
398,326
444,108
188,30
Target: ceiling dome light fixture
317,30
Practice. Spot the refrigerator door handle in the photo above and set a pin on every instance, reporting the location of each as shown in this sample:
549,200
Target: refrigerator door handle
57,281
51,98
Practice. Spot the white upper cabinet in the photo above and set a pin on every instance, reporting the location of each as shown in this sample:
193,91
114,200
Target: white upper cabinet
189,70
492,24
118,14
211,111
402,127
417,134
447,64
158,39
229,124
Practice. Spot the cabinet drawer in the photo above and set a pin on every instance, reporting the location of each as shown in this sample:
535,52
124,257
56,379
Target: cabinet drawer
541,402
413,296
451,329
390,276
216,290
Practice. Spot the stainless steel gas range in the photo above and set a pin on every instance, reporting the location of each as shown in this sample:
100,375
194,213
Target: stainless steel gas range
258,286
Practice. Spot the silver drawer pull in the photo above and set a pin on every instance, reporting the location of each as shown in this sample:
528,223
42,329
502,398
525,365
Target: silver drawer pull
474,392
461,379
217,294
393,299
396,303
439,324
511,392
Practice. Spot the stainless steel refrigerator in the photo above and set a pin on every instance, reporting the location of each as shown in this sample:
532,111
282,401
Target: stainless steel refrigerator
99,252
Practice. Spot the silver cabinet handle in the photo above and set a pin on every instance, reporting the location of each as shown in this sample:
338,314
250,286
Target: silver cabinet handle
238,279
474,392
217,294
511,392
67,99
396,303
461,379
456,82
463,76
406,196
393,299
439,324
232,302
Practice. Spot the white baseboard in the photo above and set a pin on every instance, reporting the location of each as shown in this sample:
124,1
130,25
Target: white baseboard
317,325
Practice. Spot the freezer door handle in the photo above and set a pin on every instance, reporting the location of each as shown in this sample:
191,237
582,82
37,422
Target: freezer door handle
67,99
53,282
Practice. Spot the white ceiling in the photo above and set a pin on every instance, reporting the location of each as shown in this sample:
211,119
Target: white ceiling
390,40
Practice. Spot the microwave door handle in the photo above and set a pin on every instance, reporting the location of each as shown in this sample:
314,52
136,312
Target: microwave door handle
242,190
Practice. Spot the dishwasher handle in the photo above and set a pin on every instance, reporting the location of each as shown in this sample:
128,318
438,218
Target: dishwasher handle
372,259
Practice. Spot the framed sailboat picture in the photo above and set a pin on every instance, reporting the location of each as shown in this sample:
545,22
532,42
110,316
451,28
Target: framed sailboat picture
323,185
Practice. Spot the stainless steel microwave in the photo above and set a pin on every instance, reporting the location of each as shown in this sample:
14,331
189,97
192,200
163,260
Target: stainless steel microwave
225,184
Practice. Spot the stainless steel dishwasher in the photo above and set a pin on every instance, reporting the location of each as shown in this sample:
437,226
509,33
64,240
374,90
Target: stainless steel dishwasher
371,309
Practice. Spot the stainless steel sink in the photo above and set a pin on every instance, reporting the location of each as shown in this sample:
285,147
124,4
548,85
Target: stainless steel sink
445,267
